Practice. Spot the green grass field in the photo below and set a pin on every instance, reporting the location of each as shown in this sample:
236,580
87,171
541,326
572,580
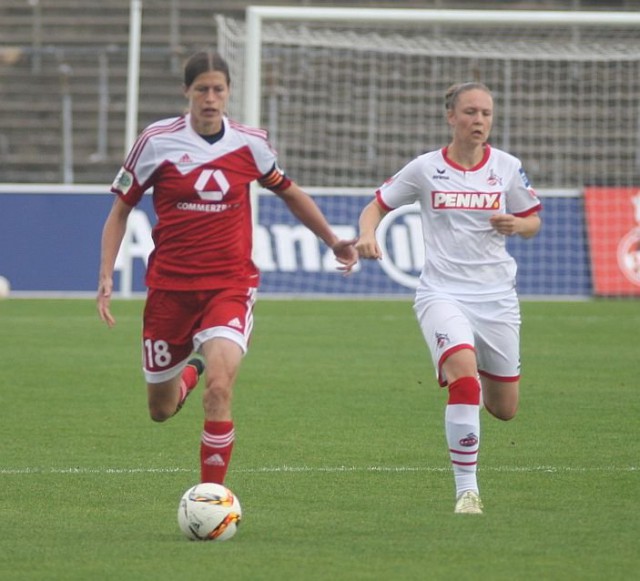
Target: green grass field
340,460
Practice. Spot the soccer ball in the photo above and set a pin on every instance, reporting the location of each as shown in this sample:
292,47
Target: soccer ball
209,512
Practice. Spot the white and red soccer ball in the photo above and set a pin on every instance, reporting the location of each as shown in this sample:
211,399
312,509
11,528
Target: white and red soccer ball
209,512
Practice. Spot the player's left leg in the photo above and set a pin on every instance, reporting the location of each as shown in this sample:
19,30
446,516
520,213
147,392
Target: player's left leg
222,340
223,358
500,397
498,349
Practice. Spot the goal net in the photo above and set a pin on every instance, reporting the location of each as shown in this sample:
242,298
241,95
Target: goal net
350,96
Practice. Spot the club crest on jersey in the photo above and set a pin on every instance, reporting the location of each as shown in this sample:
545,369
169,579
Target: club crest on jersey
123,181
465,200
493,179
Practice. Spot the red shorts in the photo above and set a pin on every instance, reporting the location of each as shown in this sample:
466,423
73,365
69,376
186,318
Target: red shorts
177,323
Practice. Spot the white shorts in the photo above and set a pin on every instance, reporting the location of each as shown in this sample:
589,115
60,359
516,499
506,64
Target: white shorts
490,327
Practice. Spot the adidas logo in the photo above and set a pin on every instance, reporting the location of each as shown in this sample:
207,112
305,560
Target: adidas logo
214,460
235,323
185,159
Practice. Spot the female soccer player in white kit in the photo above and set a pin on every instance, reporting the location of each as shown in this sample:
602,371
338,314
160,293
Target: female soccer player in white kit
471,196
201,277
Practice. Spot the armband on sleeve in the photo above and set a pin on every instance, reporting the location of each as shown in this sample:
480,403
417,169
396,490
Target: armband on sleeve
275,180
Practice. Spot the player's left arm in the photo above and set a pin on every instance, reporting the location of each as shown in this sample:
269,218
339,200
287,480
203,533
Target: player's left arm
302,206
523,208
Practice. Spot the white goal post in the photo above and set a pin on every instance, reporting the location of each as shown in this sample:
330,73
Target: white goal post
349,95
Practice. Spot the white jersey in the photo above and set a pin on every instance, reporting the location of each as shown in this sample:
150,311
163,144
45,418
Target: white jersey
464,255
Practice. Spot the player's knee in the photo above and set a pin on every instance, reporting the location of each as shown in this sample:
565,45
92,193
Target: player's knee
504,413
217,398
159,414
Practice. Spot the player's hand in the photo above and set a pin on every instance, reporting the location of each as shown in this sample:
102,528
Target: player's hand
506,224
103,300
367,247
345,254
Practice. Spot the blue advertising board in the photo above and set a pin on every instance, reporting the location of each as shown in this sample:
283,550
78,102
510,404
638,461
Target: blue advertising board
50,242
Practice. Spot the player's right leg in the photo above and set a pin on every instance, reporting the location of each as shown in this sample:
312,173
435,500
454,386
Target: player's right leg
167,346
462,428
166,397
189,379
449,335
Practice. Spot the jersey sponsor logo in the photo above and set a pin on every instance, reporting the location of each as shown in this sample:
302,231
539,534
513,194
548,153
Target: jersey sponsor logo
210,178
465,200
196,207
123,181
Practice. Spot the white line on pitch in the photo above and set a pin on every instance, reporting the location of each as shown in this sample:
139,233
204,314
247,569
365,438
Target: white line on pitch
318,469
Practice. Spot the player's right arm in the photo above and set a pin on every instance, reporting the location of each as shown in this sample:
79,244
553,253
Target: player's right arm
112,235
401,189
370,218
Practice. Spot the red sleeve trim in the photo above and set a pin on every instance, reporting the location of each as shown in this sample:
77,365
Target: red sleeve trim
528,212
382,203
124,198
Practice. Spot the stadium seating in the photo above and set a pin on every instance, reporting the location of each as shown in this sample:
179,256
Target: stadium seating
77,50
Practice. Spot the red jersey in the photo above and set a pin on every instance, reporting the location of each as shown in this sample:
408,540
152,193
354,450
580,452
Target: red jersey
203,235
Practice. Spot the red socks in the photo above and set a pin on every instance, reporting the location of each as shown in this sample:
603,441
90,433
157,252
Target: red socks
215,450
188,382
462,428
465,390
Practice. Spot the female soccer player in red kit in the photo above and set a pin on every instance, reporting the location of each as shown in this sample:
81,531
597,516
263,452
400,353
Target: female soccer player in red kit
471,196
202,281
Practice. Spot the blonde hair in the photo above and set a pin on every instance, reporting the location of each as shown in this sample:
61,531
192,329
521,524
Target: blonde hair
454,91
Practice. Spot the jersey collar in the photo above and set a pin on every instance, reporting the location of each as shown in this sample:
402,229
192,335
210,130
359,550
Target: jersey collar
453,164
